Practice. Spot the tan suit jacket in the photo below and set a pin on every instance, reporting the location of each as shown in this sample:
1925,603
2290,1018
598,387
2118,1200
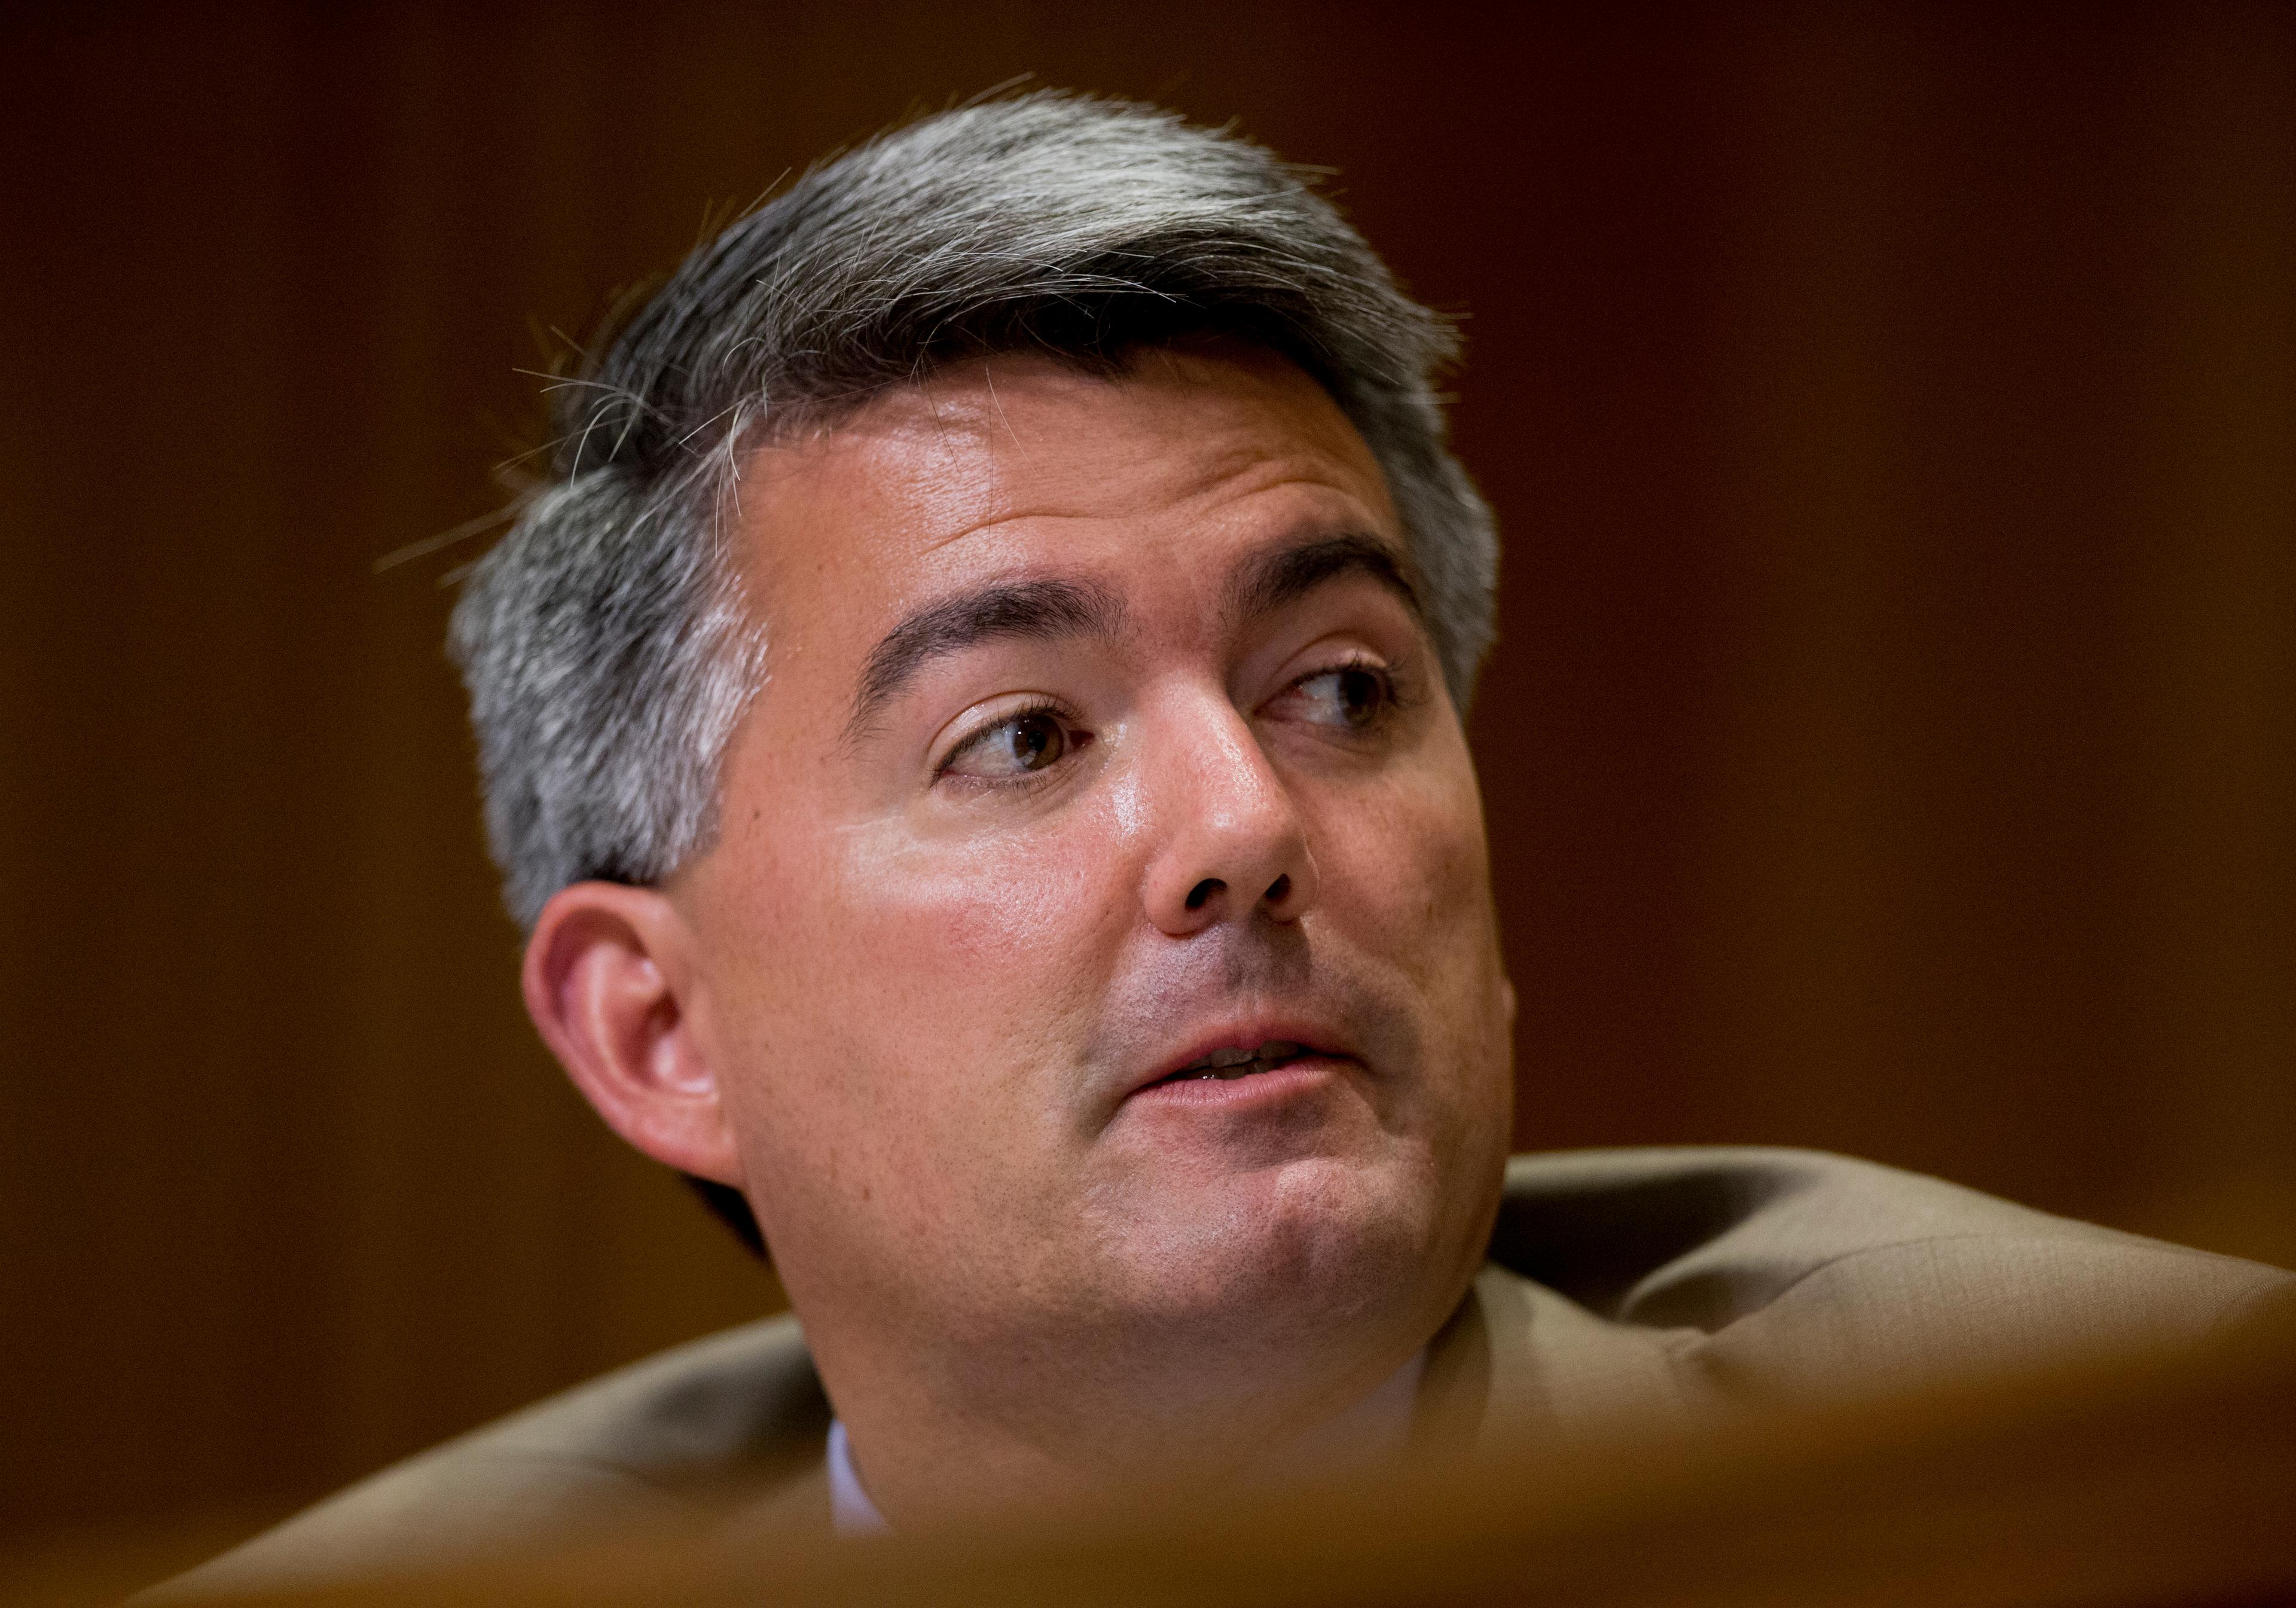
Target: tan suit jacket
1638,1285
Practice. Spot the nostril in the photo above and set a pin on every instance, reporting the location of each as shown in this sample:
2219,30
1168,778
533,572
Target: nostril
1203,891
1279,889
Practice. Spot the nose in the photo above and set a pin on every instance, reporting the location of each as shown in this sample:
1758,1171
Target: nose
1234,845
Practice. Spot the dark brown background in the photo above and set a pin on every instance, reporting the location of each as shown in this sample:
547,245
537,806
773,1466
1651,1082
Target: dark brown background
1890,409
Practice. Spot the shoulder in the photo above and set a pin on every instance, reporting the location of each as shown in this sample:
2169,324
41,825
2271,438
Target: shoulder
648,1443
1789,1269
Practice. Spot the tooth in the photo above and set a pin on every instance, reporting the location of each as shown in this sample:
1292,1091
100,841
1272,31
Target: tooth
1229,1058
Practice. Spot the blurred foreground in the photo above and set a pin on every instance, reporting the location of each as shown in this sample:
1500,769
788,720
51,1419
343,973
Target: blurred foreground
2156,1478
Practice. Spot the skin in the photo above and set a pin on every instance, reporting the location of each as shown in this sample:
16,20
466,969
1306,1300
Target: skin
909,1000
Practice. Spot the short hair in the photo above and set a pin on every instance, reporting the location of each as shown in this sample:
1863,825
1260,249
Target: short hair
607,649
606,645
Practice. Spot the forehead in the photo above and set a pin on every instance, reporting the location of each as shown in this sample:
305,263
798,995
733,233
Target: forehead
1021,466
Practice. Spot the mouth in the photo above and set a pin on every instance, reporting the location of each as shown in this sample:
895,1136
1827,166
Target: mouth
1231,1062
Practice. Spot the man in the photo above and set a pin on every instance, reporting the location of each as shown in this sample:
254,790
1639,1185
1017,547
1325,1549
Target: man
972,730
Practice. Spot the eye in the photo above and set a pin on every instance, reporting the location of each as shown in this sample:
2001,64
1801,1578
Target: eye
1019,746
1351,695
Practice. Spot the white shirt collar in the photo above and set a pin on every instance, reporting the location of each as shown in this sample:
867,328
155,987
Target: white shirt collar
850,1511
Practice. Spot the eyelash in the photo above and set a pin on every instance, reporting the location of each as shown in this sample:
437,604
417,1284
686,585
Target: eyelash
1390,683
981,733
1391,702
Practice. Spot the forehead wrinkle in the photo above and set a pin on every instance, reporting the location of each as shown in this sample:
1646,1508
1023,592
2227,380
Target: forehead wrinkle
995,520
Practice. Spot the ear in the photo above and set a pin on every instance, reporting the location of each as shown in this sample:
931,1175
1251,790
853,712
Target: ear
608,980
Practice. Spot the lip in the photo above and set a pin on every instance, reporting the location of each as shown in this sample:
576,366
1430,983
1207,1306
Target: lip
1272,1089
1319,1047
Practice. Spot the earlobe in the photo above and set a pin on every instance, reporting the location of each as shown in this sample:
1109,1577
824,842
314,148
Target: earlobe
608,983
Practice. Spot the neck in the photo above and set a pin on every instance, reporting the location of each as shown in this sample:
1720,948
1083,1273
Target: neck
1047,1424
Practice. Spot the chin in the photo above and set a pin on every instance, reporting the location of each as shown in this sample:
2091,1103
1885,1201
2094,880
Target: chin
1312,1239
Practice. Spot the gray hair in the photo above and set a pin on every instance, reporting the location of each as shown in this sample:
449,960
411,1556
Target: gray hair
604,641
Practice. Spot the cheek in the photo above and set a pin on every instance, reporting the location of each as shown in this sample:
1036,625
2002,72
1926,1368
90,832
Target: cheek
1005,929
934,976
947,995
1414,892
1407,861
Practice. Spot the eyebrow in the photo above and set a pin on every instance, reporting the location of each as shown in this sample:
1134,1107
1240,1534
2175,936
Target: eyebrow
1041,611
1269,580
1045,610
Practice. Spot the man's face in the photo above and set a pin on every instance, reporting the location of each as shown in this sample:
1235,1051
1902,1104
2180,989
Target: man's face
1100,736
